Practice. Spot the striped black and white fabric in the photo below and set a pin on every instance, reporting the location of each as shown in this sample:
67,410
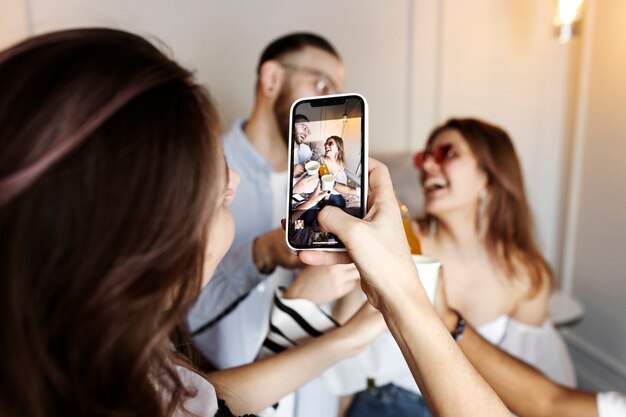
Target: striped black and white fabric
293,321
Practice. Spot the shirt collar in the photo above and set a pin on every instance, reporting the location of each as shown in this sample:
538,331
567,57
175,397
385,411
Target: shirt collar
243,145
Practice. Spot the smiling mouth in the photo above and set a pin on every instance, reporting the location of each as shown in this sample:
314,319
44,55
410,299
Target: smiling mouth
434,184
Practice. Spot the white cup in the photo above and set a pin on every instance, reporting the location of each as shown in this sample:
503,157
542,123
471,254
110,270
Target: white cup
328,182
312,167
428,269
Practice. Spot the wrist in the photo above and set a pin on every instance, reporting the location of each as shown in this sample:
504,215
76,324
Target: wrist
396,295
450,319
395,307
455,323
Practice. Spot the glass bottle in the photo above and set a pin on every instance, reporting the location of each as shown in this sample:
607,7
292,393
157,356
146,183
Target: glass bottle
411,237
323,169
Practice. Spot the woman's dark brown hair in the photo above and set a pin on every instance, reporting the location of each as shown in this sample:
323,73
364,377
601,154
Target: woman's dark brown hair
509,236
110,168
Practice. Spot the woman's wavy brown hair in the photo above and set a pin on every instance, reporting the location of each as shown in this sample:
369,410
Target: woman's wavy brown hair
110,167
340,148
509,236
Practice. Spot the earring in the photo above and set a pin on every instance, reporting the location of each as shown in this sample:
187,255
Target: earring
482,222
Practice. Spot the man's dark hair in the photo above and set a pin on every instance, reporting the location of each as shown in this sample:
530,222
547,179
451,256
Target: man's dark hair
295,42
299,118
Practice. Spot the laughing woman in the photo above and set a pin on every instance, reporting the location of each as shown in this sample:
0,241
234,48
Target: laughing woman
478,223
333,158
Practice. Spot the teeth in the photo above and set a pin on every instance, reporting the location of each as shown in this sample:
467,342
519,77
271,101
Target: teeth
434,183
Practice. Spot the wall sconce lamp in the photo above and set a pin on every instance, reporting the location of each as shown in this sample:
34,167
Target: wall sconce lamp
568,14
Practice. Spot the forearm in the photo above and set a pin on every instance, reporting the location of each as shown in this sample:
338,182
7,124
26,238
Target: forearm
311,202
345,189
298,169
254,387
573,403
451,386
346,306
523,389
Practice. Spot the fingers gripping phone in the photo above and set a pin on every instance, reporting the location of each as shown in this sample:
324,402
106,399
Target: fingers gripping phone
328,151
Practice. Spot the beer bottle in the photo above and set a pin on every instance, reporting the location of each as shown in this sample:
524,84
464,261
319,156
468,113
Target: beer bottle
414,243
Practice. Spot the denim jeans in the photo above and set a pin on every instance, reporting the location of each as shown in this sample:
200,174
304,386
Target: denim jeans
310,216
388,401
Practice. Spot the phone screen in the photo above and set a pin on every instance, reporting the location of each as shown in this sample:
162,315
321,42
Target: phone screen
328,165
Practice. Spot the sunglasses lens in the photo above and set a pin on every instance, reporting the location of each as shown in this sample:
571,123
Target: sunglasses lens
441,153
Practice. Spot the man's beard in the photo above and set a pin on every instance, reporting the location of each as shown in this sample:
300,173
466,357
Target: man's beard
282,106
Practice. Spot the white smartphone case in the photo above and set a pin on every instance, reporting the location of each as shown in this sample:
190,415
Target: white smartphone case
364,185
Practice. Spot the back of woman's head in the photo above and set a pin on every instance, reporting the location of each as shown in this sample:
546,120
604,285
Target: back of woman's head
509,234
109,170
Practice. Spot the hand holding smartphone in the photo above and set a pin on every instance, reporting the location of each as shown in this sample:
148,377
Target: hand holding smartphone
328,153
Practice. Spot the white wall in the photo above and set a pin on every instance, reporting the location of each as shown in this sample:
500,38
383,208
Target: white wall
597,225
223,41
417,62
498,60
14,24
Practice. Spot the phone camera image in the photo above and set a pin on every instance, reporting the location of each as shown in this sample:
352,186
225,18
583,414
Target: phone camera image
328,167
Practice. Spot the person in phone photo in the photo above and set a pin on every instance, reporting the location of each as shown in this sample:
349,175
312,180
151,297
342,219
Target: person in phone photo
333,158
301,151
333,182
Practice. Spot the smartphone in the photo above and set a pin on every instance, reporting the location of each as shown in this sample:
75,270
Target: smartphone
328,152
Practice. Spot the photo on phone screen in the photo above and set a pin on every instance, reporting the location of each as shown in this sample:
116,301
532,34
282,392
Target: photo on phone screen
328,166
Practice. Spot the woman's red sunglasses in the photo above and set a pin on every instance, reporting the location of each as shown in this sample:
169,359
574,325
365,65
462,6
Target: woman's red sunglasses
440,154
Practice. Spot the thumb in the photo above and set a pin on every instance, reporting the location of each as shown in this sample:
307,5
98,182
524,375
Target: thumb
338,222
